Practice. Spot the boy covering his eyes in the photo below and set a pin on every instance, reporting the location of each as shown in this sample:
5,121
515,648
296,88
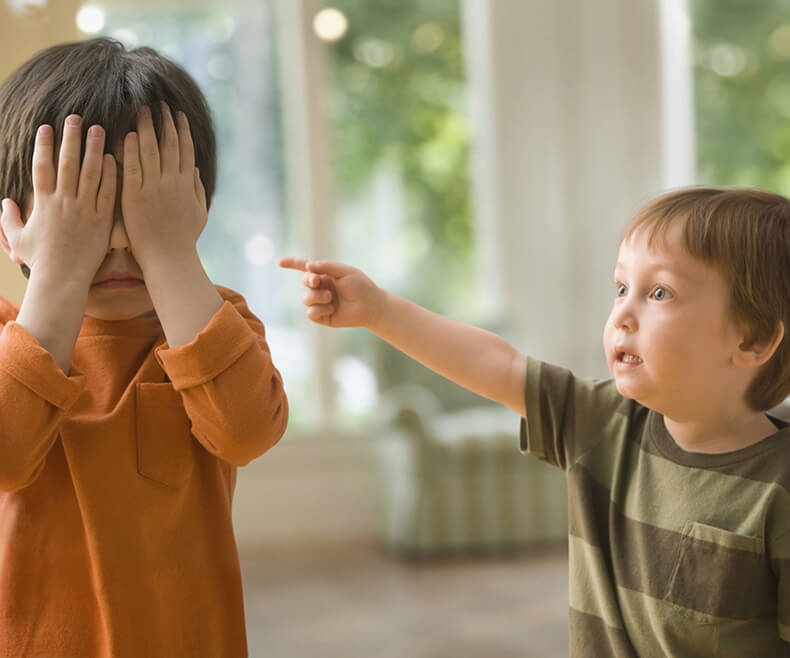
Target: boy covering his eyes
131,387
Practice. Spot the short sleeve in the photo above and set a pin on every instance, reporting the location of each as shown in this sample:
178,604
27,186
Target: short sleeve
780,560
566,415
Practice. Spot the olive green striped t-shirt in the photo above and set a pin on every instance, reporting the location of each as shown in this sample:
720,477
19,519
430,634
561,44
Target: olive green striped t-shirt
671,553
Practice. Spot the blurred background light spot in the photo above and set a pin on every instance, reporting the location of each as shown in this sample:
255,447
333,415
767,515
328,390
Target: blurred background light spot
780,41
172,51
427,38
357,383
777,95
19,6
220,67
330,24
727,60
127,36
220,29
374,52
259,249
90,19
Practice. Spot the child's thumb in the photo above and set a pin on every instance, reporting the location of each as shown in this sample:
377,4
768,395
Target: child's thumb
10,215
10,219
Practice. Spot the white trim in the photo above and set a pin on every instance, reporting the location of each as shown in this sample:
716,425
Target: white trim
679,136
303,60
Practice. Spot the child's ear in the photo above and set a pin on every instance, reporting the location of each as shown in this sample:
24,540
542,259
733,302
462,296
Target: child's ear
753,355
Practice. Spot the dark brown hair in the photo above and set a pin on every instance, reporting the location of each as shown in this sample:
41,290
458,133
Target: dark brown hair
105,84
745,234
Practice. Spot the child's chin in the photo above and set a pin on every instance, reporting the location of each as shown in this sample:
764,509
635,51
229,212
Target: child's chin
119,311
625,390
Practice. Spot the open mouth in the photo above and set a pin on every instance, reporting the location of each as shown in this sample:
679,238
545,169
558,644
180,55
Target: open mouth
628,358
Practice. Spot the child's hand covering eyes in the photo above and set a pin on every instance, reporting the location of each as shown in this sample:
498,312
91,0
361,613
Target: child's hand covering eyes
68,230
163,199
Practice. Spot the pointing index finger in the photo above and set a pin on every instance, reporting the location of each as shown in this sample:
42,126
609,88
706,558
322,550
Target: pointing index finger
290,263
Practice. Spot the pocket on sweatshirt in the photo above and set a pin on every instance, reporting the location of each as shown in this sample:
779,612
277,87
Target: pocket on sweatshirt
164,439
715,573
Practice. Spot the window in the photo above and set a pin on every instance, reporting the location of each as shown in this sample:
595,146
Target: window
401,154
399,138
741,52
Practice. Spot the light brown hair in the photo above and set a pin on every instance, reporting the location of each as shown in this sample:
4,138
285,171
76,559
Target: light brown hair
745,234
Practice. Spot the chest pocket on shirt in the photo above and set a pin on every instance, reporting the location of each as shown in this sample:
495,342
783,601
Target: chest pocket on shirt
164,440
715,573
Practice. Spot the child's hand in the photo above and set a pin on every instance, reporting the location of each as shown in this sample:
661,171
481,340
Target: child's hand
337,295
163,199
68,231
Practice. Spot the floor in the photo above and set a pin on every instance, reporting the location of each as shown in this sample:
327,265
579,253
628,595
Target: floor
355,600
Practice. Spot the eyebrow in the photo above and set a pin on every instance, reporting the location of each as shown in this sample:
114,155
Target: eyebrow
660,268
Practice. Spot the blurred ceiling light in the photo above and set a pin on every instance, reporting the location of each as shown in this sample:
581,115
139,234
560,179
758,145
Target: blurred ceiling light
427,38
220,29
330,24
90,19
19,6
727,60
374,52
259,249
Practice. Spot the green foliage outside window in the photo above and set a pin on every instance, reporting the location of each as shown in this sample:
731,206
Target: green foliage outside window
397,90
741,55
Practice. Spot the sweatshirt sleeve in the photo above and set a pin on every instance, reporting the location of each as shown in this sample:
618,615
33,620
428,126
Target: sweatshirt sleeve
231,390
35,395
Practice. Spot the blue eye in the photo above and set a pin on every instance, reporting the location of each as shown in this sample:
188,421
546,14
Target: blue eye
660,294
619,290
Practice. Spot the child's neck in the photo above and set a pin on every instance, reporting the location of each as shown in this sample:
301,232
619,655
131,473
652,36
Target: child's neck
724,434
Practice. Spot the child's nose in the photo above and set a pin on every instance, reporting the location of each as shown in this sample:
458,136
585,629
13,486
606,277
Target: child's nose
623,317
118,238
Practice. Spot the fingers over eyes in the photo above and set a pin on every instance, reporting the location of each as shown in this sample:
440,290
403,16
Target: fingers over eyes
149,147
44,161
69,159
92,164
185,143
105,199
169,142
132,172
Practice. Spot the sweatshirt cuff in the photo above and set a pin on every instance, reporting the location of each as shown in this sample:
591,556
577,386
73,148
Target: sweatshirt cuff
23,358
220,344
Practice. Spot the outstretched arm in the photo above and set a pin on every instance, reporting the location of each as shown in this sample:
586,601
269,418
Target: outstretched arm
339,295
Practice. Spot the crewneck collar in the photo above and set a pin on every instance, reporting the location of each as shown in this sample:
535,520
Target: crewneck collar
667,446
140,326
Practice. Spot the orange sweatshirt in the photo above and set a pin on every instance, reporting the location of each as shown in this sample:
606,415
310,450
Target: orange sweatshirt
116,484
